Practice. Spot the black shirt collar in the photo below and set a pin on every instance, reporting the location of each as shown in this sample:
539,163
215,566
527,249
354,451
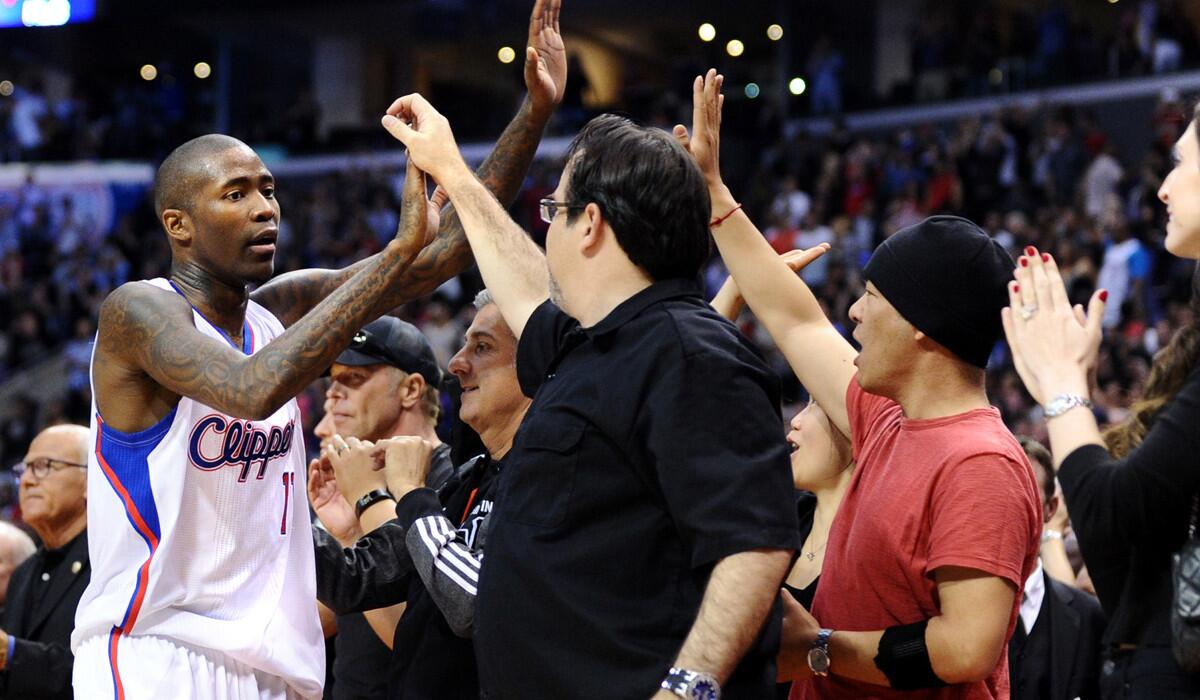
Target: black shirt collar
629,309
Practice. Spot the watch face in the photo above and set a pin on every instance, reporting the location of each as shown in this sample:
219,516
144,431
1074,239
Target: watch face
704,690
818,661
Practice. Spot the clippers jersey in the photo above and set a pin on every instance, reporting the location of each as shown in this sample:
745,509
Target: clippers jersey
200,533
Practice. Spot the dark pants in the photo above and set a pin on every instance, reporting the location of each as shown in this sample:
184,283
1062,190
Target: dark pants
1146,674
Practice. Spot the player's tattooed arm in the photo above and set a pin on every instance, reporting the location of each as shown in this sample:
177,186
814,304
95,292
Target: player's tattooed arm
145,329
291,295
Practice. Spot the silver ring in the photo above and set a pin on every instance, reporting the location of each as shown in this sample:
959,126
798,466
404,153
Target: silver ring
1028,311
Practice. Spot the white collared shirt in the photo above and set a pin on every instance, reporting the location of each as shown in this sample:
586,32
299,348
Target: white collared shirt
1031,601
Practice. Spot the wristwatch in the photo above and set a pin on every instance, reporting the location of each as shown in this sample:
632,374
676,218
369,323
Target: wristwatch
1062,403
693,685
369,499
818,655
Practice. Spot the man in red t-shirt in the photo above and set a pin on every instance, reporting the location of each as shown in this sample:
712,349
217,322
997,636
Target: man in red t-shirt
939,526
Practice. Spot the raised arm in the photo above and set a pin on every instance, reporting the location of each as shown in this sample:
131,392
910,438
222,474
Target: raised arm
821,358
291,295
513,267
148,331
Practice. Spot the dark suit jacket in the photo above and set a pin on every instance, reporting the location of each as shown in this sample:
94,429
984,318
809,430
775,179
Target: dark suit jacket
40,666
1076,625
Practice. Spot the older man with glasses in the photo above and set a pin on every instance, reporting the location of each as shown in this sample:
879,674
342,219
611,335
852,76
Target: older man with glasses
35,629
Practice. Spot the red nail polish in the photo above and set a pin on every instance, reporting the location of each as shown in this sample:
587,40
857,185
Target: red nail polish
1030,251
1016,289
1045,257
1103,295
1024,261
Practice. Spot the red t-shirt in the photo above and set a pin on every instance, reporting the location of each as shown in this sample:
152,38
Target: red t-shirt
953,491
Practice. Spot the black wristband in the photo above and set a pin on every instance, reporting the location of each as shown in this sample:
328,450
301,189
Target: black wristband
369,499
904,658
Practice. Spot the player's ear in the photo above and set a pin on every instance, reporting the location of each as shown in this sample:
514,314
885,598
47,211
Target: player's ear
178,225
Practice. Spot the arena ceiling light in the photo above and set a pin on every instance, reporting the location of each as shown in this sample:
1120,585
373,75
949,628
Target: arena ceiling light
707,32
797,86
735,47
774,32
6,88
506,54
148,72
202,70
752,90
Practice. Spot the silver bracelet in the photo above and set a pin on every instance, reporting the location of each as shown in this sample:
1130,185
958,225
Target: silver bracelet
1064,402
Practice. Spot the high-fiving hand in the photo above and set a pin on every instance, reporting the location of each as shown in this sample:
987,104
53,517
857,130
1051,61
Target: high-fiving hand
704,143
419,217
545,57
427,135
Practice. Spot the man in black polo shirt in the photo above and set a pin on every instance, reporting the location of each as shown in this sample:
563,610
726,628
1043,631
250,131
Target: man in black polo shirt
646,517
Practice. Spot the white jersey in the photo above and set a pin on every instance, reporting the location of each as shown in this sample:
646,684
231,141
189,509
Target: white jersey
200,533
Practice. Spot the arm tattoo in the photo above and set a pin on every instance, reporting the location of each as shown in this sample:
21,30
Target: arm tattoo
290,296
154,332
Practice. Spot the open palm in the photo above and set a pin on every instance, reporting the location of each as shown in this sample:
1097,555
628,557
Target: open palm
546,64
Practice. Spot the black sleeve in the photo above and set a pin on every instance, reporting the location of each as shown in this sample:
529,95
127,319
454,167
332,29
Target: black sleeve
374,573
1117,503
39,671
711,427
539,344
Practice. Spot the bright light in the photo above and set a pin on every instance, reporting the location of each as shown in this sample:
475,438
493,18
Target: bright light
148,72
45,13
735,47
707,32
506,54
1113,2
6,88
752,90
774,32
202,70
797,86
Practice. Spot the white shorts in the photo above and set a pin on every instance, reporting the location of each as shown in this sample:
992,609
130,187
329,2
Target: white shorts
153,668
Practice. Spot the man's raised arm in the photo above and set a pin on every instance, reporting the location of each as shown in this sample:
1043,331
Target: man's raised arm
821,358
513,267
291,295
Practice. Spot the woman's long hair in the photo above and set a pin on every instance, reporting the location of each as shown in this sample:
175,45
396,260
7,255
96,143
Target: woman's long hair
1172,366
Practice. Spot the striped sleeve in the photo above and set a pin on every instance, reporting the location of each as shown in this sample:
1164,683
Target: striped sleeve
448,567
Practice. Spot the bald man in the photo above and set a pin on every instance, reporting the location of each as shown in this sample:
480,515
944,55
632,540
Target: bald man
35,628
204,586
15,548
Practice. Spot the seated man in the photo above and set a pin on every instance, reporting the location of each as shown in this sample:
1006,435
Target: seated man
430,554
35,630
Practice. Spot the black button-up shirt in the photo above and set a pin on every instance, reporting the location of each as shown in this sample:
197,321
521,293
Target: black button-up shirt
652,450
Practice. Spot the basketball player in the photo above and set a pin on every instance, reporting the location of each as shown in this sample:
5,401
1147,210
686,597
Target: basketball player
203,581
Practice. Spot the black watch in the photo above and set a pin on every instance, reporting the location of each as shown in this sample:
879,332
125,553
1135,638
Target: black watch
693,685
369,499
818,655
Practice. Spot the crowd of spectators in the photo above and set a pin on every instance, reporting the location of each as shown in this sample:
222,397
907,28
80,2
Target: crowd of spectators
1047,177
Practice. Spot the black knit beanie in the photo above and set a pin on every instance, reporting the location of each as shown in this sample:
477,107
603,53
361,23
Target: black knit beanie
948,278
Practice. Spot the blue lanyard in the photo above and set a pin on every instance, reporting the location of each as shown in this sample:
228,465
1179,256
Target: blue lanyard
246,334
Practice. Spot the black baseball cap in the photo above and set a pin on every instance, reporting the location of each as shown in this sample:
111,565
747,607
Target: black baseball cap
390,341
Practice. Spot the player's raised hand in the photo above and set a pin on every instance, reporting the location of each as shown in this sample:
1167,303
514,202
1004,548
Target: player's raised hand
427,135
545,57
704,143
407,460
419,216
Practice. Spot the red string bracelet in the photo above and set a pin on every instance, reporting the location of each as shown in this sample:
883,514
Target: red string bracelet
717,222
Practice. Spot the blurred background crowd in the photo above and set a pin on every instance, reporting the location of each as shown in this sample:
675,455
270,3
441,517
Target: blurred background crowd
1069,175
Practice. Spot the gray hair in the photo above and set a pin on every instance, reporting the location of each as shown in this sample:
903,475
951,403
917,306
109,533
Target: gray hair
482,299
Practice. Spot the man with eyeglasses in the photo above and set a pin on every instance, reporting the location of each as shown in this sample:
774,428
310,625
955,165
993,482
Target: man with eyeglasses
35,629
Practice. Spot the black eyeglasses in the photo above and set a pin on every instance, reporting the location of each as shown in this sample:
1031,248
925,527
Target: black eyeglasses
42,466
549,208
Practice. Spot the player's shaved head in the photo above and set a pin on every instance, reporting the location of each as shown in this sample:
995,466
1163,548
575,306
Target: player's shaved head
187,168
